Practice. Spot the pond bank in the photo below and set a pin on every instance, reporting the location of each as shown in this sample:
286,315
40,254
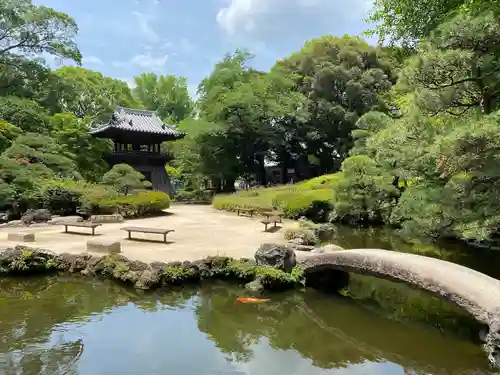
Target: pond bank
267,269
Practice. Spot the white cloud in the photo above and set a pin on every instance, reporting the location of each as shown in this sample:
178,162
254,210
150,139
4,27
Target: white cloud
259,17
92,60
147,60
144,22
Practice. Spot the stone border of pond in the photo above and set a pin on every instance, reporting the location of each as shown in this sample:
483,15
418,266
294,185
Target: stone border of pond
274,268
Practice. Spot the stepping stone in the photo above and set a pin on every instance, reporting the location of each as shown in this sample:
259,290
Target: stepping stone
21,237
104,245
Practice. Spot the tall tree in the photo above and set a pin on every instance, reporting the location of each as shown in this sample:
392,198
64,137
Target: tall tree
168,95
89,152
406,22
28,29
343,78
85,92
458,68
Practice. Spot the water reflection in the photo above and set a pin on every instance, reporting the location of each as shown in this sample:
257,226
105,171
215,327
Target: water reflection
485,261
81,326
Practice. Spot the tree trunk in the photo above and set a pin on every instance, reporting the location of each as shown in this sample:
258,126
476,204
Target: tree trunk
261,171
228,186
285,162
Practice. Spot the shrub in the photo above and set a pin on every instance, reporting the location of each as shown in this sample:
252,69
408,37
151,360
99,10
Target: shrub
125,179
312,198
61,200
314,205
182,195
139,204
365,194
306,236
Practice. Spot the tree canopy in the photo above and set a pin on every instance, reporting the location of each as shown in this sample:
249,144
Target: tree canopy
409,127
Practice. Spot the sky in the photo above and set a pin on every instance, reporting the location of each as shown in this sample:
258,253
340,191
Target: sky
124,38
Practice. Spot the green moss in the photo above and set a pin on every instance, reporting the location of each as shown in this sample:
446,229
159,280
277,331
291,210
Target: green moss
120,269
270,277
51,264
108,265
178,274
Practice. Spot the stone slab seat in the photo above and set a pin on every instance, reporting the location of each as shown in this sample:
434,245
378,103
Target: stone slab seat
21,237
148,230
104,245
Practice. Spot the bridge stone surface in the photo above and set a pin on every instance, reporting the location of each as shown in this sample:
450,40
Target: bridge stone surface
475,292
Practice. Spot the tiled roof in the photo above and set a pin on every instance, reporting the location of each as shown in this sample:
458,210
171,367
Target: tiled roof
138,120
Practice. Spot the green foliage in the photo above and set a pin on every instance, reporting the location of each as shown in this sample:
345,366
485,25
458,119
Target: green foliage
405,22
270,277
365,194
139,204
85,92
179,274
124,179
311,198
23,113
31,148
306,236
73,132
35,29
313,204
8,133
168,95
61,200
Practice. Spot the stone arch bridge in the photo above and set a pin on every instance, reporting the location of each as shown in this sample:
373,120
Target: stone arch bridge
473,291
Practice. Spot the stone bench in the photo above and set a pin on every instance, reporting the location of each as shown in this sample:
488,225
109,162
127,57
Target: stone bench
21,237
83,224
106,219
104,245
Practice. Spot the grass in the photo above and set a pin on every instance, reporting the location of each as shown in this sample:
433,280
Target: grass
293,199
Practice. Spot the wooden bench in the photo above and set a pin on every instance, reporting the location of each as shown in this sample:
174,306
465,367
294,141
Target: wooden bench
148,230
81,224
276,214
271,220
245,211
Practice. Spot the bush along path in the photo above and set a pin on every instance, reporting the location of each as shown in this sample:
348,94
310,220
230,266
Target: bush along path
274,268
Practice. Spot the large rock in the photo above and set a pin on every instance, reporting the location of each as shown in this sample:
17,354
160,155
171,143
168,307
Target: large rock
324,231
21,237
278,256
101,219
66,219
36,216
13,224
104,245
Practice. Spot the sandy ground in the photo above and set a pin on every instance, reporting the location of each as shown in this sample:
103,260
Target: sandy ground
200,231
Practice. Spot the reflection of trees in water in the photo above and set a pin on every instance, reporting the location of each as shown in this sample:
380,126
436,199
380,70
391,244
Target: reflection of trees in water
388,238
60,359
32,308
330,332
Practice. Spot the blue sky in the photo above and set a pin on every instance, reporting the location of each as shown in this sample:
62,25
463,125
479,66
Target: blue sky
123,38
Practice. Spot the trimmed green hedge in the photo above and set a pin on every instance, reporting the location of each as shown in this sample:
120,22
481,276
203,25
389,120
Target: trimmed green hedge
312,199
139,204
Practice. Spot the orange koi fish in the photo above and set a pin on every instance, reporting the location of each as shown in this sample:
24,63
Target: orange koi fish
251,300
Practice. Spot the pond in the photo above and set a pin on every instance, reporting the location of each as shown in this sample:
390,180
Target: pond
63,325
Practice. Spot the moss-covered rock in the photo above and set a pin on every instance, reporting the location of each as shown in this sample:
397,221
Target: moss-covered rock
22,260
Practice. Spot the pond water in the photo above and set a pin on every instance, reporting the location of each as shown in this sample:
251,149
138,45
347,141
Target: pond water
59,325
